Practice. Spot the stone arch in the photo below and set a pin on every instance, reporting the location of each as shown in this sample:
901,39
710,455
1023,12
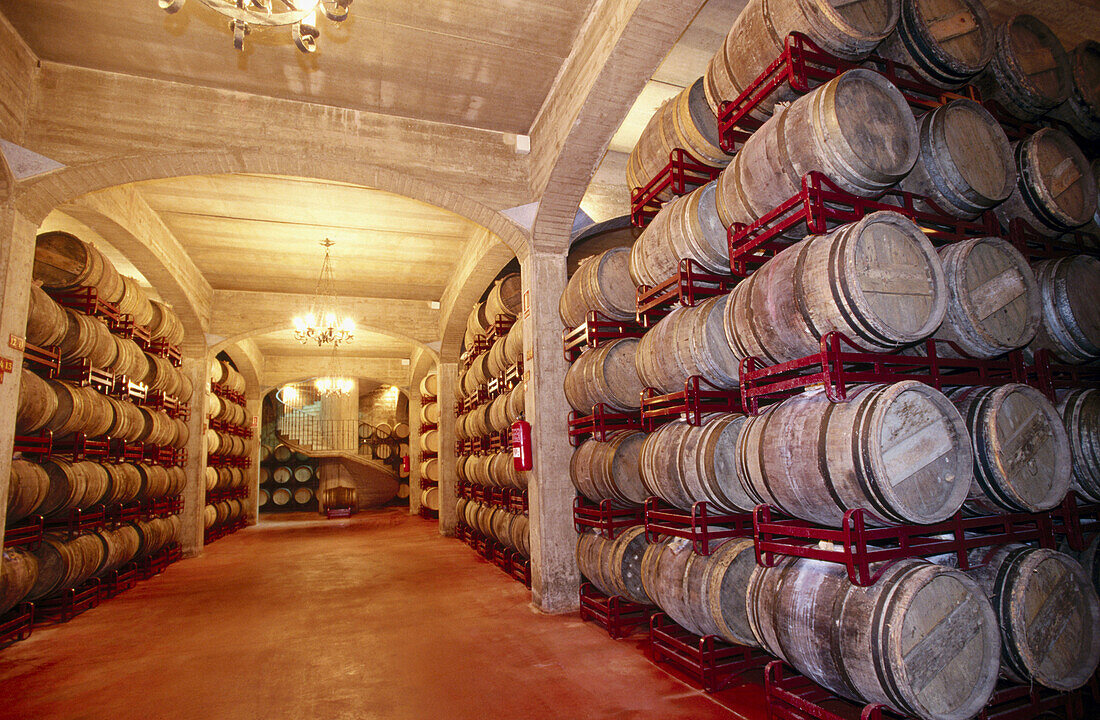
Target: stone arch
37,197
226,343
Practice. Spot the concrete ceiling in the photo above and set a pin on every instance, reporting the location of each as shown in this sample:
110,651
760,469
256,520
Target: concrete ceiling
366,344
452,61
261,233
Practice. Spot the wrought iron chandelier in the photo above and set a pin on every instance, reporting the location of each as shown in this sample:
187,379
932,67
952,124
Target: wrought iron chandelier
300,15
321,324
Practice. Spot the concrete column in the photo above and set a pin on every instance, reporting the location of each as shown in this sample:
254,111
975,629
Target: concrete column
414,449
448,479
253,404
196,365
555,579
16,263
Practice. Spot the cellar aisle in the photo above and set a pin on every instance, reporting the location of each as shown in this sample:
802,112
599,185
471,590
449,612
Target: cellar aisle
374,617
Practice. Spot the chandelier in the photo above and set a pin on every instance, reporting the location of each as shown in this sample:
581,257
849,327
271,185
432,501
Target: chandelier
335,382
321,324
300,15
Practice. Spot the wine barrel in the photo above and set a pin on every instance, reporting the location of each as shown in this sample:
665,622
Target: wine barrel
340,497
429,414
689,341
282,453
128,423
513,342
521,538
1048,612
135,302
722,590
72,411
1029,73
947,42
502,468
101,414
182,433
68,485
878,280
847,30
155,535
46,320
922,640
1055,189
281,497
303,473
120,546
429,441
18,575
993,303
64,564
516,397
28,487
97,484
177,480
1081,110
429,385
1022,459
64,262
1089,558
303,496
161,375
125,484
87,337
1071,322
899,451
497,417
1080,411
263,498
614,566
686,228
383,451
965,164
505,298
37,403
430,498
429,469
132,361
161,430
497,363
856,129
605,375
165,323
684,122
401,431
609,470
154,481
601,283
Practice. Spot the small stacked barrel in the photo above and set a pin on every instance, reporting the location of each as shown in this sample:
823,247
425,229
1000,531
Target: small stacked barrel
428,438
508,528
289,481
900,452
229,443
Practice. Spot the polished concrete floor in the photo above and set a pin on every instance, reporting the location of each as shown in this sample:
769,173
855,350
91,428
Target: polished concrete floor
373,617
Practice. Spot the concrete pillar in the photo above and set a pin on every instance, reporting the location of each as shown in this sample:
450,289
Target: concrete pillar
448,479
16,263
414,449
196,365
253,403
555,579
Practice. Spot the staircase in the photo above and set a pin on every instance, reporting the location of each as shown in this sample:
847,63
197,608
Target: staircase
303,430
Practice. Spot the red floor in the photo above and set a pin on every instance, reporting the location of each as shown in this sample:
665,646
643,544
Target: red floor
374,617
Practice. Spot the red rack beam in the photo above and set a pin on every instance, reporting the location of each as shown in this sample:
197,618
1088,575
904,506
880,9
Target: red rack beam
697,399
26,534
619,616
67,604
702,527
604,518
840,363
682,173
79,521
708,661
44,361
593,332
16,625
601,423
689,285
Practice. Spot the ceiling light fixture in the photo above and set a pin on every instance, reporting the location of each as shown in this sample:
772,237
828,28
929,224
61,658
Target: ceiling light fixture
321,324
300,15
335,382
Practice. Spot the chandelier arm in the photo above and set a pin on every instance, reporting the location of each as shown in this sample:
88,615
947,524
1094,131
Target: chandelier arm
305,37
171,6
336,10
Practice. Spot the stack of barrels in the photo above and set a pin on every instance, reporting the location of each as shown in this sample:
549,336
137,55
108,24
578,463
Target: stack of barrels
64,561
903,452
288,481
384,442
504,526
220,444
429,439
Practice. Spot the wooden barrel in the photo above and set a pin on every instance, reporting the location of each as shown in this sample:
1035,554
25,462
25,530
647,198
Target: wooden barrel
856,129
502,469
303,496
718,596
155,535
120,546
159,429
923,639
497,363
689,341
429,385
87,337
282,475
521,539
609,470
1048,612
1081,110
72,411
64,564
963,179
899,451
135,302
429,414
37,403
601,283
430,498
339,497
383,451
161,375
182,434
516,399
64,262
281,453
127,422
1080,411
132,362
303,473
498,414
605,375
947,42
401,431
154,481
684,122
878,280
19,572
505,298
46,320
263,498
97,483
429,441
1022,459
68,485
475,323
210,477
1089,558
429,469
591,551
1029,73
1055,189
27,490
125,483
165,323
281,497
847,30
686,228
101,414
1071,324
993,303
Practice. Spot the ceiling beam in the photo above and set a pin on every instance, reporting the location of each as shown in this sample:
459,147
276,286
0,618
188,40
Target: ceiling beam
279,369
